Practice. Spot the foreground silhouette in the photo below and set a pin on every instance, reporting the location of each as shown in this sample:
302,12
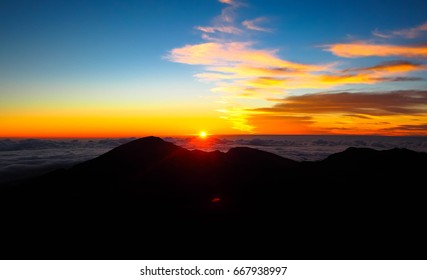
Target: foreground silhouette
150,199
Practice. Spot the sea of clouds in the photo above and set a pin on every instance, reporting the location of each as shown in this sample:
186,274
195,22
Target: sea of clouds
304,148
23,158
20,159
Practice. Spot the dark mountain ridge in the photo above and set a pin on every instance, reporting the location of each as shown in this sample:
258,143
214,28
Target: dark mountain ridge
152,199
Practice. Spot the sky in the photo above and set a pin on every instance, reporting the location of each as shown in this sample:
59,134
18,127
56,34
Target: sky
176,67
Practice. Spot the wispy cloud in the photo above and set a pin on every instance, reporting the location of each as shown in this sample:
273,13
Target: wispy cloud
363,49
223,23
412,129
254,24
379,34
224,29
409,33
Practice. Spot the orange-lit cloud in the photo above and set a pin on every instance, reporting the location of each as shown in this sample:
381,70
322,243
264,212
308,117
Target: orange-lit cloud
389,113
230,2
234,54
266,82
361,49
407,129
297,76
254,24
395,66
405,102
384,72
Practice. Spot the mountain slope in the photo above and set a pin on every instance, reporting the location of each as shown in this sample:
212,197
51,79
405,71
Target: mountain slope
152,199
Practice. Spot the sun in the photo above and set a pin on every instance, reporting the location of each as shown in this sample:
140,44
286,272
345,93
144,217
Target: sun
203,134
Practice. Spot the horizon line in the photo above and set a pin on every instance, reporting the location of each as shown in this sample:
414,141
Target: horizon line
209,135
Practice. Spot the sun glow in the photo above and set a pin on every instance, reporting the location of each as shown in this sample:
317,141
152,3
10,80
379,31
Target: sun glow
203,134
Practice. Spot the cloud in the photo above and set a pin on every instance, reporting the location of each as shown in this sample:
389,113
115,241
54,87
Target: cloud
405,102
267,82
358,116
23,163
387,113
421,127
245,68
230,2
238,60
24,158
280,79
223,29
212,54
377,33
362,49
374,74
236,54
408,129
409,33
399,79
223,23
254,24
303,147
417,129
412,32
42,144
395,66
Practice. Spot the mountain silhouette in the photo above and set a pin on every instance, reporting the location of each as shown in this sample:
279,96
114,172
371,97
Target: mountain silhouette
151,199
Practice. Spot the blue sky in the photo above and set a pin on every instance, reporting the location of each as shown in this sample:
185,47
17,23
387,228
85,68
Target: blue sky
123,40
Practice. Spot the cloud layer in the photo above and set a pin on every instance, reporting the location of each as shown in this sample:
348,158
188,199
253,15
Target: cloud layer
32,157
20,159
300,148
